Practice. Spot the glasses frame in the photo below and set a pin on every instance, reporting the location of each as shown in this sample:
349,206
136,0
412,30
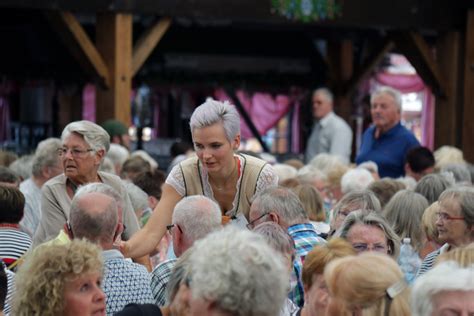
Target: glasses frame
75,153
446,217
169,227
251,226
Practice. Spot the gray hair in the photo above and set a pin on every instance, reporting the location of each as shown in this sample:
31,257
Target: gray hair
107,166
46,155
308,174
117,154
22,167
460,172
197,216
404,211
326,92
282,201
358,200
94,135
138,197
432,185
284,171
239,273
464,195
356,179
101,188
211,112
446,276
99,227
276,237
325,162
395,94
370,218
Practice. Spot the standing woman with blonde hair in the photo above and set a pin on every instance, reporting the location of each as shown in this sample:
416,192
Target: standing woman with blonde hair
217,172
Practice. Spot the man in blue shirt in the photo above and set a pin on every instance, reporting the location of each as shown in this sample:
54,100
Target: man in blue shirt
386,142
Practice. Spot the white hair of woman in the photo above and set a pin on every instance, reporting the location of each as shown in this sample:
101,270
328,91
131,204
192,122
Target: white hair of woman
239,273
448,155
284,171
356,179
94,135
118,154
444,277
326,162
46,156
460,172
211,112
146,156
309,174
107,166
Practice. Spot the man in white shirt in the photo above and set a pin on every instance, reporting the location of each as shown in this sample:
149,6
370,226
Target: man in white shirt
330,134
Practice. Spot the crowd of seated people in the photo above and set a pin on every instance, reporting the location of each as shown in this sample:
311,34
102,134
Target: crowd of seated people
88,228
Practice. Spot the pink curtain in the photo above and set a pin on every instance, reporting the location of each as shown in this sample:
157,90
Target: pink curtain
88,102
264,109
409,84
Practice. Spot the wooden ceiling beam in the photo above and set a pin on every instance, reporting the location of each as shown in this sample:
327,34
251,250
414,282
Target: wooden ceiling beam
81,47
420,55
368,66
147,43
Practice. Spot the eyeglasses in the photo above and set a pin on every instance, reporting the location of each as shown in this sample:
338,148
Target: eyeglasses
251,225
75,153
446,217
169,227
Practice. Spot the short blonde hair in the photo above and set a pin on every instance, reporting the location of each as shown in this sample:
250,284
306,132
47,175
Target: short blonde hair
312,202
318,258
464,256
41,280
362,282
428,221
448,155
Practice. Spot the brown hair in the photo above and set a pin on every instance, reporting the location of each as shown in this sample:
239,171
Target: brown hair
321,255
385,188
312,202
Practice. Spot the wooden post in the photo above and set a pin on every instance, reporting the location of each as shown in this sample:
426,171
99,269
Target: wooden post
468,113
114,42
340,61
448,109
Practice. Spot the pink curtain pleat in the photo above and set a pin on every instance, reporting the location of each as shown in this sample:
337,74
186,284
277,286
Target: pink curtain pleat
88,102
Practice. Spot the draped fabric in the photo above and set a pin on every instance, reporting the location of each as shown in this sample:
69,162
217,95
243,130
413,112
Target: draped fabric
88,102
4,119
409,84
263,109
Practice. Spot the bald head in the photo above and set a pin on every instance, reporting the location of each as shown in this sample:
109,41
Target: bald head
94,216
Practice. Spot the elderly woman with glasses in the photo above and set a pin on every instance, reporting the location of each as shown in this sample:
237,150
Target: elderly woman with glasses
83,148
455,222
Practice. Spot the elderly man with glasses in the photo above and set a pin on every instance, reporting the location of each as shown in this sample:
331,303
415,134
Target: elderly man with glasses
282,206
193,218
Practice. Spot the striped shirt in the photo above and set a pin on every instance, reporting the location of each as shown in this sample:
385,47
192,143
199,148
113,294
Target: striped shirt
13,244
159,279
10,289
430,259
305,238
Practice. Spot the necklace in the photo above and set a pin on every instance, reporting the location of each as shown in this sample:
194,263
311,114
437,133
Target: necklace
230,176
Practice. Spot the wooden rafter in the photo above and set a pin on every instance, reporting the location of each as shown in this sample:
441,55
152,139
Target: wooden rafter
147,42
78,42
369,64
468,110
418,52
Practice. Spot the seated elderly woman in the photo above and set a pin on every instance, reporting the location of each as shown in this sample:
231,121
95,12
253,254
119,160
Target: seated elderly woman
447,289
316,295
455,222
356,200
60,280
368,284
369,231
244,277
428,222
84,145
404,213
